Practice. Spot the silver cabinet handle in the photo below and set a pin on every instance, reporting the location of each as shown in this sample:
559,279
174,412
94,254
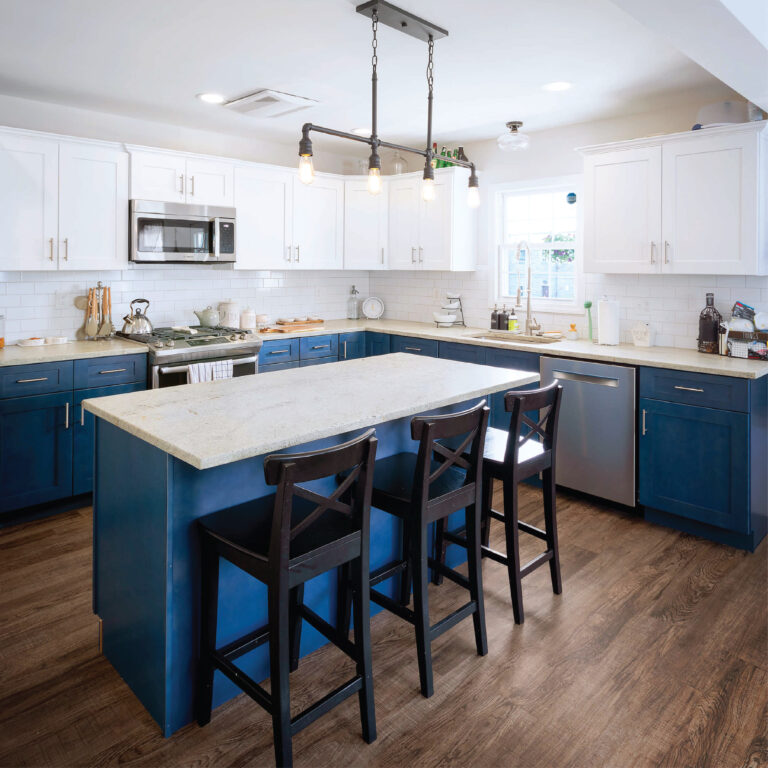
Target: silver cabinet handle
66,249
421,255
192,186
29,381
413,255
114,370
321,346
688,389
644,429
50,243
412,349
181,183
586,378
666,252
298,253
287,252
82,415
382,255
66,415
279,351
653,252
345,349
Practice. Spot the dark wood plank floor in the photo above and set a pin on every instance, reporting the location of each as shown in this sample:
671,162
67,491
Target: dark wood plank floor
655,655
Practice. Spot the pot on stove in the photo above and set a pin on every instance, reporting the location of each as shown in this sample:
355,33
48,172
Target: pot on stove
137,322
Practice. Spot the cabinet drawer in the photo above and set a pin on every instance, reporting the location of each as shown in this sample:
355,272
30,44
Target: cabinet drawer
277,367
318,346
319,361
278,351
703,389
35,379
511,358
467,353
414,345
106,371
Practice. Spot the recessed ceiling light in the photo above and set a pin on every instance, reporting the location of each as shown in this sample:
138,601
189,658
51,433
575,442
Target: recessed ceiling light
558,85
362,131
211,98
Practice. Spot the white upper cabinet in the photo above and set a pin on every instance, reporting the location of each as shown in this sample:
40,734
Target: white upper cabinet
365,226
438,234
688,203
622,222
264,202
174,178
28,202
93,207
318,224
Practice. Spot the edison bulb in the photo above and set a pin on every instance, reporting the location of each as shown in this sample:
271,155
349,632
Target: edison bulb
374,180
473,197
428,189
306,169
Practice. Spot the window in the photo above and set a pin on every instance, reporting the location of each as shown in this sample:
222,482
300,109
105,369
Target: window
540,223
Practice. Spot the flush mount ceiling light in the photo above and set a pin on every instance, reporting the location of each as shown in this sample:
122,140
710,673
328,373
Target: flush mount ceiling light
558,85
211,98
362,131
403,21
513,140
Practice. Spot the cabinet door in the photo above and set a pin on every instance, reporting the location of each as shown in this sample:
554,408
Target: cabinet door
93,207
28,202
210,182
404,199
377,343
264,200
352,345
435,226
414,346
622,211
157,176
710,205
35,450
318,224
365,226
694,463
83,434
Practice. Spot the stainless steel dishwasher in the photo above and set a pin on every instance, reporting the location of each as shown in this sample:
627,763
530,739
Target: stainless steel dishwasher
596,434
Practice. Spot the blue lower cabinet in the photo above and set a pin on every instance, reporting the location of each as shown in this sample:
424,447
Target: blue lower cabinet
319,361
278,351
694,463
352,345
83,428
377,343
35,449
106,371
278,367
318,346
466,353
414,346
509,358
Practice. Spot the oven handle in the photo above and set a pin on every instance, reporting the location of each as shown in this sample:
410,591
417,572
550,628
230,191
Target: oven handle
183,368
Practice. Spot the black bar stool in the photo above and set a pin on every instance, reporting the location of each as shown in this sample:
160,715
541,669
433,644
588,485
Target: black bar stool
284,540
512,457
420,491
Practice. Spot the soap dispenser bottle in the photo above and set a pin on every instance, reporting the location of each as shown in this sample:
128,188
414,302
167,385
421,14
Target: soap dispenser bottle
495,317
353,304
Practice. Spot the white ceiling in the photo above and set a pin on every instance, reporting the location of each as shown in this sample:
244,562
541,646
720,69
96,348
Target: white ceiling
149,58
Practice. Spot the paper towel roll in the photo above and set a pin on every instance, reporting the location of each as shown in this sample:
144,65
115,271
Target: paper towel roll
608,321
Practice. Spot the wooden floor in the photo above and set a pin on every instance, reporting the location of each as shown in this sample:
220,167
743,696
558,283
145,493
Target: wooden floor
656,654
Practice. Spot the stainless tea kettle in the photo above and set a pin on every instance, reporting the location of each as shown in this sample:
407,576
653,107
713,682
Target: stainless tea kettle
136,322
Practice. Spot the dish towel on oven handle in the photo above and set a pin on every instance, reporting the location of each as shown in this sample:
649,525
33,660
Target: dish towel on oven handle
217,369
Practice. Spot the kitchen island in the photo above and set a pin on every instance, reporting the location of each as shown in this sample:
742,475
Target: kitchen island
166,457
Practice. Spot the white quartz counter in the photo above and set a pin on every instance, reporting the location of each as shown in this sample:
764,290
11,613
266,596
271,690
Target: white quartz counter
654,357
219,422
72,350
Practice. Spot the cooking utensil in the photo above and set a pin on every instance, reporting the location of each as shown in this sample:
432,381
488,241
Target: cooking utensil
92,322
136,322
106,313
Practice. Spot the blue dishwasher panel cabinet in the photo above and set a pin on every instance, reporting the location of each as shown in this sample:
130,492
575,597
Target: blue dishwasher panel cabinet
83,428
278,351
377,343
466,353
352,345
318,346
414,345
35,449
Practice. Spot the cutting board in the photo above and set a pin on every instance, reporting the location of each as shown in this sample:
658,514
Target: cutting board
293,327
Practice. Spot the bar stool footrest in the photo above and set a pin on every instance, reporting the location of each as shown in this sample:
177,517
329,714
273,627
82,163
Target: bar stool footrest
393,606
537,561
326,704
244,644
493,554
387,571
449,573
532,530
328,631
452,619
243,681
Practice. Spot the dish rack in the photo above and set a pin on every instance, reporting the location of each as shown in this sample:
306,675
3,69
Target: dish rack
452,304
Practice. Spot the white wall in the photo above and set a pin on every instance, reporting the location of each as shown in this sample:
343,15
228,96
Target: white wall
671,303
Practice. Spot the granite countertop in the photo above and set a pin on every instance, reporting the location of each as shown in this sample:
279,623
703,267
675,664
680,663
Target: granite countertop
654,357
72,350
219,422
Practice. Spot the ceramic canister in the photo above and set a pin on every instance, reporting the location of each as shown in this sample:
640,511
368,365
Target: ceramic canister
229,313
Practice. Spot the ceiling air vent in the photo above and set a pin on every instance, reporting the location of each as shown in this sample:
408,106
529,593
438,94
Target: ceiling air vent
268,103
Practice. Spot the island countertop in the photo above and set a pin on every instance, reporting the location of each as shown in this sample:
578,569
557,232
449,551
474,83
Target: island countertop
219,422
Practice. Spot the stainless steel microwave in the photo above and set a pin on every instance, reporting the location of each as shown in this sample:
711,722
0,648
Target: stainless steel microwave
186,234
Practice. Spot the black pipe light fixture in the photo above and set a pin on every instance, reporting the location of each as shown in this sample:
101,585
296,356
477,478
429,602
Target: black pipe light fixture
403,21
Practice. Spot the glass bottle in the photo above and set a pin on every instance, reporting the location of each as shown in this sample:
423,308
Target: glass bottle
441,163
434,154
502,318
709,327
398,164
495,317
353,304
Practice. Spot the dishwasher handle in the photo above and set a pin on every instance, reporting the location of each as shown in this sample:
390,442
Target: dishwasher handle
586,378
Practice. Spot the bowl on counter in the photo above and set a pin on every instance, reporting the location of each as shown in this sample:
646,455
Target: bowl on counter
444,318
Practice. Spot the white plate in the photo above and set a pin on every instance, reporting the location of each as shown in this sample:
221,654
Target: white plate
30,342
373,308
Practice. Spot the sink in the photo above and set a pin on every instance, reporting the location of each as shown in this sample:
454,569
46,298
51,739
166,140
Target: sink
512,338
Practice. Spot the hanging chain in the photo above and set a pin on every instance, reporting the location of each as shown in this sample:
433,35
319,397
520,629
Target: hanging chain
431,65
375,41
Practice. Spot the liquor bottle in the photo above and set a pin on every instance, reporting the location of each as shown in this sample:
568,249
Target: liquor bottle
442,163
434,155
495,317
455,154
709,327
462,156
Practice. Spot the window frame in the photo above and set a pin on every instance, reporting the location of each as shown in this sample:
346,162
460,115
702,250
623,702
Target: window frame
570,183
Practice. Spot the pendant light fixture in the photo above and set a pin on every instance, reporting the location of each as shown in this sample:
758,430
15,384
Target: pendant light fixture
513,139
403,21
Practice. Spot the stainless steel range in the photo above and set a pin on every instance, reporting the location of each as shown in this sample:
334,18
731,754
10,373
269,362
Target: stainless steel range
172,350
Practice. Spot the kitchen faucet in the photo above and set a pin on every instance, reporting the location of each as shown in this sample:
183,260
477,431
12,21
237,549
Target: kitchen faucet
531,324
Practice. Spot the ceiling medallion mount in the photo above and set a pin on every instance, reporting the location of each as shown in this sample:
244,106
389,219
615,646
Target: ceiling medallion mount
403,21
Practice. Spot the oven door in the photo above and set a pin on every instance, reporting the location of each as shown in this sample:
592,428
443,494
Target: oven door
173,374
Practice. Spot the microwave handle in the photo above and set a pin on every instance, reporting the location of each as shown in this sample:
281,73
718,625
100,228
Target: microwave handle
216,243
